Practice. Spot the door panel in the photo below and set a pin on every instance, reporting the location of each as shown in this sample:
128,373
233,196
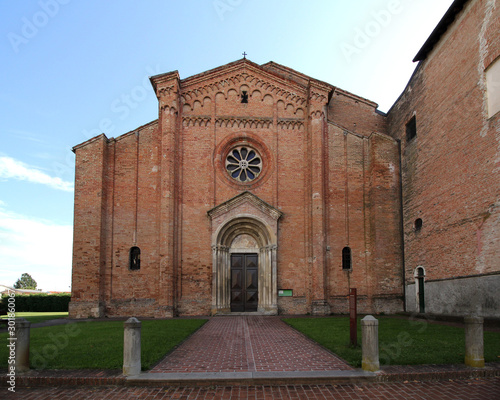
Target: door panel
237,283
244,282
421,295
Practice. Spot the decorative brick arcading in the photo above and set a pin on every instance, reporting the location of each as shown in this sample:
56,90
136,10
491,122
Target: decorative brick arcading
243,123
244,77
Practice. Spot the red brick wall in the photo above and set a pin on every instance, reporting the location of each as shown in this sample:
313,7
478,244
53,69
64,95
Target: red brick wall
335,181
330,167
89,229
355,114
364,215
451,169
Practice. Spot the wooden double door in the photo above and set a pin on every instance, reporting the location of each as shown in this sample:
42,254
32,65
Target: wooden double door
244,282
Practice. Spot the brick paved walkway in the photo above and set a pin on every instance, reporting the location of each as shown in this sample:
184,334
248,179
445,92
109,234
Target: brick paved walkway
487,389
260,345
240,344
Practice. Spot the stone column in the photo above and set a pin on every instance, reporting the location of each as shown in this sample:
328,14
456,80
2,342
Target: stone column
474,353
132,347
22,344
222,276
369,333
274,288
267,279
262,279
226,279
215,279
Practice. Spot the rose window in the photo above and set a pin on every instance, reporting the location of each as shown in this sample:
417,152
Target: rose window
243,164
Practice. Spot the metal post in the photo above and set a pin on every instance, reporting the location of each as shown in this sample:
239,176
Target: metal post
353,313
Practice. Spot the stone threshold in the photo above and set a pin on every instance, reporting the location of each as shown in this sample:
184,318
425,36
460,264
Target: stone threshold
246,313
250,378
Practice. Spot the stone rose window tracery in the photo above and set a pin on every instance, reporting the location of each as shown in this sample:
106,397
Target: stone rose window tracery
243,163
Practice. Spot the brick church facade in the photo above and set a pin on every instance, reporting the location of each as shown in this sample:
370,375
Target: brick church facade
261,189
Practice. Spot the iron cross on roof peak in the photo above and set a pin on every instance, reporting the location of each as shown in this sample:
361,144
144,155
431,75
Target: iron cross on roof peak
244,55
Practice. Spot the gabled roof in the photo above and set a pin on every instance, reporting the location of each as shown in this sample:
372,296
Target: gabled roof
245,197
284,75
440,29
5,288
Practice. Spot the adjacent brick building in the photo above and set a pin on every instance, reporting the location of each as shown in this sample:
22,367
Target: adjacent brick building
261,189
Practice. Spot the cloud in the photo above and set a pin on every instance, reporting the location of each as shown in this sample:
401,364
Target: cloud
13,169
41,248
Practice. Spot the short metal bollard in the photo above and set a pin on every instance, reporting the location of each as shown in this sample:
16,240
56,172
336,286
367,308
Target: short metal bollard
22,344
369,347
132,347
474,342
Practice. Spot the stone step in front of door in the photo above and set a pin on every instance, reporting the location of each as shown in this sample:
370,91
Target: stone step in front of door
252,378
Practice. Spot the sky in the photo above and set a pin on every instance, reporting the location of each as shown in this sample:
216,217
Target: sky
72,69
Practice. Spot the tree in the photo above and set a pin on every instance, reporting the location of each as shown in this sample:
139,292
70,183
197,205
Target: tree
25,282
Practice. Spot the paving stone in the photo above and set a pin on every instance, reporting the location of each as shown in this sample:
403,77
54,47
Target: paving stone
249,343
477,389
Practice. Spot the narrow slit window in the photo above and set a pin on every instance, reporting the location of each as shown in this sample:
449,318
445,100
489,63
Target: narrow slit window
346,258
411,129
418,224
135,258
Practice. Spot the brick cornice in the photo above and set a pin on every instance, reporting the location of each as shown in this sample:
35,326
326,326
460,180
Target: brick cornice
102,136
163,79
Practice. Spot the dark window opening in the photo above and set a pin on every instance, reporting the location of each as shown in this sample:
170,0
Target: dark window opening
421,289
244,97
346,258
411,129
135,258
418,224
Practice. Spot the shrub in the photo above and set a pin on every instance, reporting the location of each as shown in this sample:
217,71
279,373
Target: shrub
39,302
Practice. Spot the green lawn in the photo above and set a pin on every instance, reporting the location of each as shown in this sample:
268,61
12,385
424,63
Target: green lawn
97,344
401,341
35,317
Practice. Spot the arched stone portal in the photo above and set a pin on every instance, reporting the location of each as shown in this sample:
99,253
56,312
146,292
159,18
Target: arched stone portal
240,225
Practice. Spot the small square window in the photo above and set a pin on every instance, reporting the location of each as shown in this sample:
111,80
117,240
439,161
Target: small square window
411,129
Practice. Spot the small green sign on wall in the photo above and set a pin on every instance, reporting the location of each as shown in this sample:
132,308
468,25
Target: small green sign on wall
285,292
